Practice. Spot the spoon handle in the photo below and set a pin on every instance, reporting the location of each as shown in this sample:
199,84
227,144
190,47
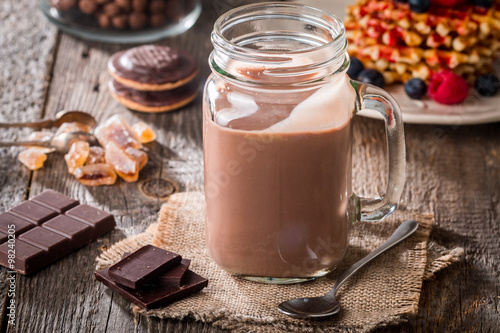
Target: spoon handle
37,124
402,232
40,143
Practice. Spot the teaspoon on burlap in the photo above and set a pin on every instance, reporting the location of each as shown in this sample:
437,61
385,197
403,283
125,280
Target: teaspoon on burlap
324,306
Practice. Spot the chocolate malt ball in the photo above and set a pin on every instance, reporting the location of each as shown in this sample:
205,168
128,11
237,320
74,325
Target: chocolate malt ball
173,10
88,6
188,6
137,20
119,21
63,4
102,2
124,4
139,5
156,6
157,20
111,9
104,21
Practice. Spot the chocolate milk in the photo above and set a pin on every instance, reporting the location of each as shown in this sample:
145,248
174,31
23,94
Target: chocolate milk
278,180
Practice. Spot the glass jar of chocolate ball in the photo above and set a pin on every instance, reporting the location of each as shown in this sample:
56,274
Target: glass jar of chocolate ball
122,21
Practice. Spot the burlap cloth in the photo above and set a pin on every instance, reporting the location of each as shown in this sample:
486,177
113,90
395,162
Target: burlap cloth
385,292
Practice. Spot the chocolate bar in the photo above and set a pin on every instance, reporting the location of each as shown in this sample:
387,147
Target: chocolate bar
47,228
142,266
155,296
174,277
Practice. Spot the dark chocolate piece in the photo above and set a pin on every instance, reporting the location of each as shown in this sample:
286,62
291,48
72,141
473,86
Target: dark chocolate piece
142,266
152,64
55,201
98,219
3,237
154,98
46,240
33,212
77,232
155,296
29,258
174,277
44,236
19,225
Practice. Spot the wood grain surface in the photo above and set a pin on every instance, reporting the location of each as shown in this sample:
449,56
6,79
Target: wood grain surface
452,171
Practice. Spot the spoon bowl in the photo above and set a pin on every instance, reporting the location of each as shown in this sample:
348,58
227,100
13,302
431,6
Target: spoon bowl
310,307
327,305
67,116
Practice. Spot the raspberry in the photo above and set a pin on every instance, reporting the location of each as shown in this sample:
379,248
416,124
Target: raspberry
391,37
447,3
446,87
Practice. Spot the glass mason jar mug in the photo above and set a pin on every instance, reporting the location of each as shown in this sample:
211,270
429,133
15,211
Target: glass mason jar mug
277,131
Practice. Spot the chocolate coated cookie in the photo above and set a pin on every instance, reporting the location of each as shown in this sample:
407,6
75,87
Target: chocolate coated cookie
153,101
152,67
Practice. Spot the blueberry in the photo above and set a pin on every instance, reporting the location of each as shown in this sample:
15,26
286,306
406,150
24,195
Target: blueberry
355,68
487,85
484,3
372,76
420,6
416,88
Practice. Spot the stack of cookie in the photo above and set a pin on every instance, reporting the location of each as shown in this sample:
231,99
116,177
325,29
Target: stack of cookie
404,42
153,78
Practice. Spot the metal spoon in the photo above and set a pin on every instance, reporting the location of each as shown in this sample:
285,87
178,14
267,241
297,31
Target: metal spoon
58,120
60,143
324,306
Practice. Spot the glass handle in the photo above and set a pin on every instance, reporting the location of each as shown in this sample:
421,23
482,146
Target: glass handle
371,97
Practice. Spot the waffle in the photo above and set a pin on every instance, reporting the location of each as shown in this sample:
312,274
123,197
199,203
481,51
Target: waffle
386,35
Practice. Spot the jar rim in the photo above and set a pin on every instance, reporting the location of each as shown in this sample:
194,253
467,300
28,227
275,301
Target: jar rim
224,18
333,42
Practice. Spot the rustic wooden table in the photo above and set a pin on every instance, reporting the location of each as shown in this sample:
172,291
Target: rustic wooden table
453,172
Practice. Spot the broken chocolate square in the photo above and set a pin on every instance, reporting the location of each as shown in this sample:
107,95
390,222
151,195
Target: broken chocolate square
142,266
174,277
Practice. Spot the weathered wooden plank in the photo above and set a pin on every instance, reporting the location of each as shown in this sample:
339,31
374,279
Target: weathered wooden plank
455,172
79,82
468,166
452,171
23,79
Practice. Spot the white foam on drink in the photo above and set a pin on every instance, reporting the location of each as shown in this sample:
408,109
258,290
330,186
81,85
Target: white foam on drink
329,107
242,106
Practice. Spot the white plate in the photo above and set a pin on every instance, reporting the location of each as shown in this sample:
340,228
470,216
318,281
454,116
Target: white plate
475,109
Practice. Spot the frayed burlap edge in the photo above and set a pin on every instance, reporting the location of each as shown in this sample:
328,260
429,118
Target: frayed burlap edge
439,257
